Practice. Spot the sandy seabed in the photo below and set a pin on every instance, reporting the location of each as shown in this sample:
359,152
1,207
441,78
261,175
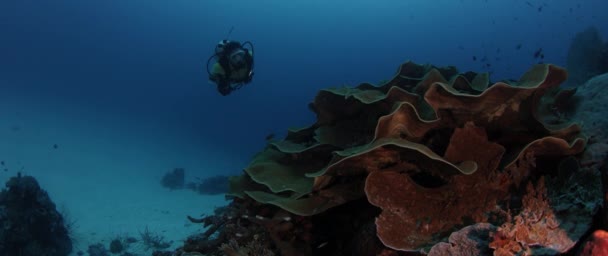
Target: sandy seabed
105,176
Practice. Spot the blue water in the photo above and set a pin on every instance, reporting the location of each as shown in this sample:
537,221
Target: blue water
123,73
143,60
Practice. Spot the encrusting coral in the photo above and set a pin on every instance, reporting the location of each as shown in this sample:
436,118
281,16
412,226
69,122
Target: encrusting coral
401,166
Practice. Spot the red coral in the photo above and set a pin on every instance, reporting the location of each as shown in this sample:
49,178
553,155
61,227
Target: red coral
535,229
597,245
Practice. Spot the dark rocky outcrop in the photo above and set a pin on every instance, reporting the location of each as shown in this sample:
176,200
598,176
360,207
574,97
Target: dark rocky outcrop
31,224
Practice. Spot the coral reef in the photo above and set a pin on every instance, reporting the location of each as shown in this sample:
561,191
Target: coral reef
97,250
470,240
31,224
537,230
596,245
153,240
253,248
116,246
432,161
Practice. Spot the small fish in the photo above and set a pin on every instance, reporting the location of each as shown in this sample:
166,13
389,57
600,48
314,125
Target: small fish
540,9
270,136
518,46
2,163
538,52
529,4
474,58
55,146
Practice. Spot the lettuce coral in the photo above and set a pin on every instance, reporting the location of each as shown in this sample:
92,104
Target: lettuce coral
432,149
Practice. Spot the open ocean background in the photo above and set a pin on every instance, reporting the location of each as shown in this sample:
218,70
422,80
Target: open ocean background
120,87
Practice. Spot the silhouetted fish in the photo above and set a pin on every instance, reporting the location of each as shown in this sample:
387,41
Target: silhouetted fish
538,52
518,46
270,136
474,58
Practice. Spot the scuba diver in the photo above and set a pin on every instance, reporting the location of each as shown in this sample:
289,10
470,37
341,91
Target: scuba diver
233,67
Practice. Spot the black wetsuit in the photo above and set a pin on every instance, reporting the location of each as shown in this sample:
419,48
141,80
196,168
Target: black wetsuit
223,82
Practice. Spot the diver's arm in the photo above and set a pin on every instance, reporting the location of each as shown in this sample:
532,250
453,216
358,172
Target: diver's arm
218,75
217,72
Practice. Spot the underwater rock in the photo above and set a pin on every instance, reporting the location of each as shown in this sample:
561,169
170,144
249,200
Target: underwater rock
174,179
591,113
31,224
587,57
